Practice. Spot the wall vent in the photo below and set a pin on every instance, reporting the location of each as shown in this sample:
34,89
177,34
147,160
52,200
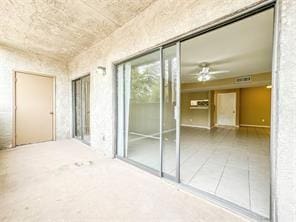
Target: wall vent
243,79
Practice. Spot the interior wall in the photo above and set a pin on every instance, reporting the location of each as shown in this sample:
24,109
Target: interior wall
14,60
194,117
255,106
212,108
252,107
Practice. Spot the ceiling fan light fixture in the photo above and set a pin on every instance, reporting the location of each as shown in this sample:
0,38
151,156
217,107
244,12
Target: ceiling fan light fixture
204,77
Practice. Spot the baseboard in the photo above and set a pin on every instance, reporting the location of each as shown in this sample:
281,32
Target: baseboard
227,126
257,126
196,126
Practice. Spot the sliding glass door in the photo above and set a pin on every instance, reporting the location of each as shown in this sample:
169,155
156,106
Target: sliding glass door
147,104
170,111
81,108
227,162
141,100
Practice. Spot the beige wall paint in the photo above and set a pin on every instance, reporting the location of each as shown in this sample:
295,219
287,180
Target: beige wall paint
255,106
212,108
252,105
10,60
194,117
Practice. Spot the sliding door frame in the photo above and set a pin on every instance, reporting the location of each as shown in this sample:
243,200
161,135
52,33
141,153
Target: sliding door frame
161,114
237,16
74,114
159,171
124,157
176,111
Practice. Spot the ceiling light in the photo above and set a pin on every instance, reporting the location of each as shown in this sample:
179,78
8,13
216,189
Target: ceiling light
204,77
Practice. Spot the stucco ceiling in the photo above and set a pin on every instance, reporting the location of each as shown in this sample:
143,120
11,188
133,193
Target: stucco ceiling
62,28
242,48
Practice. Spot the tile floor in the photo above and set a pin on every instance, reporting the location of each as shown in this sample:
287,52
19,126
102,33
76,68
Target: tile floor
230,163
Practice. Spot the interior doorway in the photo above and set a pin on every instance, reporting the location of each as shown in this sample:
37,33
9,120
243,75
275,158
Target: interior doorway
34,108
81,108
226,109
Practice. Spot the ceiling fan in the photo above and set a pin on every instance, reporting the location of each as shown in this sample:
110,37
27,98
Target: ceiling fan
206,74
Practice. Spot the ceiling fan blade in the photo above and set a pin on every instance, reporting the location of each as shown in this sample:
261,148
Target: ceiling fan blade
197,74
189,64
218,72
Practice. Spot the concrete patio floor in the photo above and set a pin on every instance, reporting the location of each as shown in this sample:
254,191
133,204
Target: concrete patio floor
67,181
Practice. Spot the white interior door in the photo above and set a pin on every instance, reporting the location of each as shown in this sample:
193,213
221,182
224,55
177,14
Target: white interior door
226,109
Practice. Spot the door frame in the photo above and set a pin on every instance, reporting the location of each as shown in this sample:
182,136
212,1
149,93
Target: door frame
14,102
235,104
73,106
159,172
226,20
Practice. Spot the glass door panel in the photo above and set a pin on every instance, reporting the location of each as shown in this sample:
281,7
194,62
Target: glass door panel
81,98
77,109
86,108
142,109
120,112
169,106
148,104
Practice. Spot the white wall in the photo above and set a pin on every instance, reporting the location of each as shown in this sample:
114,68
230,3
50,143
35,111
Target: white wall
10,60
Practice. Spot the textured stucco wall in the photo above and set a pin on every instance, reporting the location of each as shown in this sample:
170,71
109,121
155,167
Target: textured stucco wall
284,116
10,60
161,21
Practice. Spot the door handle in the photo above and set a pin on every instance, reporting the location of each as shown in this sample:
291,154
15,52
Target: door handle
51,113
